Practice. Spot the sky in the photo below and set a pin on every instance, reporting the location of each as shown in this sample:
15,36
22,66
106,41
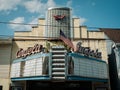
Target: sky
92,13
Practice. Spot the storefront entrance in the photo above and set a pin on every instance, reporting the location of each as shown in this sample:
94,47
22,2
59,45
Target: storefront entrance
36,85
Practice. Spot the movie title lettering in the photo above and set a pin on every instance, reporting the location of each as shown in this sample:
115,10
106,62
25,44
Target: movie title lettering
87,51
30,50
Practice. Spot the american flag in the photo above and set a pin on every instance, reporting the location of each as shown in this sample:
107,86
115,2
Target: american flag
66,40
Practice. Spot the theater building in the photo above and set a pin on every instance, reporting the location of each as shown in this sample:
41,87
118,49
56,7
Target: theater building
113,44
5,57
59,54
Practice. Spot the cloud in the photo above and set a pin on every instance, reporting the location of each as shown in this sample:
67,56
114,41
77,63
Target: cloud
18,27
34,22
69,3
82,20
93,3
6,5
32,6
36,6
51,3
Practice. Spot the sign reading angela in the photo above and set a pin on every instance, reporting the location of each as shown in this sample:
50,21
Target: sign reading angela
30,50
87,51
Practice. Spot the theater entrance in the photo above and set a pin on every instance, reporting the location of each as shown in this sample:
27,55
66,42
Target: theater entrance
37,85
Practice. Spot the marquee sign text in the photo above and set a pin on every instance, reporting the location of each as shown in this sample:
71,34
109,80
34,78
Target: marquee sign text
30,50
87,51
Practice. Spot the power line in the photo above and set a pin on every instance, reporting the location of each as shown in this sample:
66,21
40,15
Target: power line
2,22
16,23
43,25
40,37
11,36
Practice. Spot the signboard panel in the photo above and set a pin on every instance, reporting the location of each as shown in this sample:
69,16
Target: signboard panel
35,65
15,69
88,67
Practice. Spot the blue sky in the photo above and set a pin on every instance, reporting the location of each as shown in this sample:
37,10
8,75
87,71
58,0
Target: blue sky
92,13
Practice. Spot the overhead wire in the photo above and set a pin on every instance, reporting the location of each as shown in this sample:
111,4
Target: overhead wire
2,22
41,24
15,23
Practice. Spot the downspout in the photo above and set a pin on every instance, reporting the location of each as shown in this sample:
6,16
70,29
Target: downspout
10,63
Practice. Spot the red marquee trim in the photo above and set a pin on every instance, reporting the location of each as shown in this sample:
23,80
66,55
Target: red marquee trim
59,17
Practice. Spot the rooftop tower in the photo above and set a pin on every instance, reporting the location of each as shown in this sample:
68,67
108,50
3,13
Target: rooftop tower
58,18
